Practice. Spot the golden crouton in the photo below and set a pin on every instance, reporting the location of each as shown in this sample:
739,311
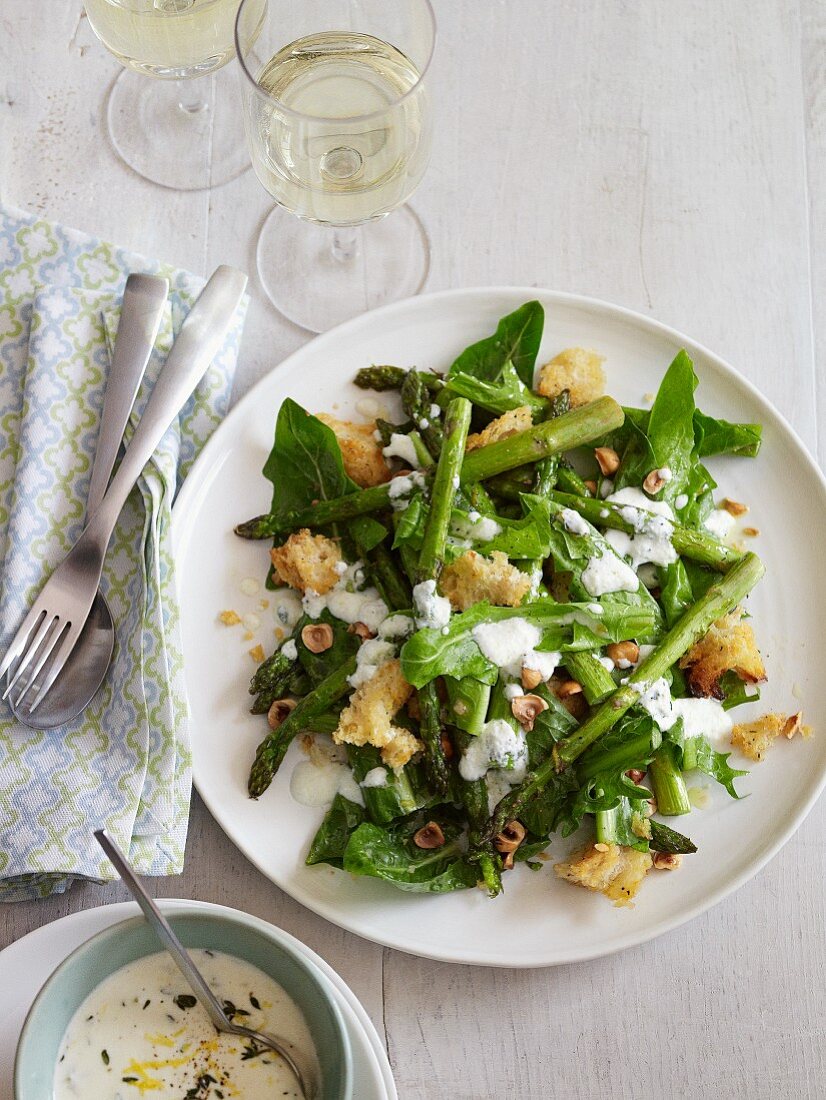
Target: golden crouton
729,646
516,420
403,746
576,370
368,718
472,578
360,450
754,738
230,618
610,869
307,561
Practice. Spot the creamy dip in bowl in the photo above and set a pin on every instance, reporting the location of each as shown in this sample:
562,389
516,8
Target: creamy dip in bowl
116,1020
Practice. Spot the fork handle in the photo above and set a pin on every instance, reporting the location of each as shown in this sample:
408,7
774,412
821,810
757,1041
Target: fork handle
144,299
198,342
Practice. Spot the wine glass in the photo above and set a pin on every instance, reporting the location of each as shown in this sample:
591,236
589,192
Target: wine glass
174,130
338,120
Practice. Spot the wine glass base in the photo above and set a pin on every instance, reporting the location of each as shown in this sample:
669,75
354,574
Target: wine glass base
317,284
186,150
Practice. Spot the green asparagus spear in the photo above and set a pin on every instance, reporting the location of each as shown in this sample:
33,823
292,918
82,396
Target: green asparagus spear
586,668
445,483
720,599
695,545
382,378
273,748
417,399
475,799
578,426
431,557
664,839
668,784
270,682
570,481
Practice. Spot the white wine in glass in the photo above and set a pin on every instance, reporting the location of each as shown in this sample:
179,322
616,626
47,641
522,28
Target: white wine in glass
339,128
175,130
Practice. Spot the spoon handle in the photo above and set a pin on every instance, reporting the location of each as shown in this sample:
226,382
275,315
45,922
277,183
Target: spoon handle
163,931
144,298
198,342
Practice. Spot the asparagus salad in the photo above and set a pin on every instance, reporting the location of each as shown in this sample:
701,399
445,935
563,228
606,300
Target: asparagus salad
517,613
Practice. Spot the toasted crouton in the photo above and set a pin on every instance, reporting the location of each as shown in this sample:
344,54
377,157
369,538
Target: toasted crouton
611,869
577,370
729,646
473,578
516,420
368,718
754,738
361,452
307,561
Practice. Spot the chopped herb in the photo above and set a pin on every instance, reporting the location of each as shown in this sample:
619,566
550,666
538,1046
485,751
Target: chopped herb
255,1002
146,1004
105,1056
252,1051
129,1080
185,1000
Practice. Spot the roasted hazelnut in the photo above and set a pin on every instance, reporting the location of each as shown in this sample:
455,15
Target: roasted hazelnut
279,711
607,459
667,861
429,836
654,482
525,709
362,630
531,678
635,775
734,507
568,687
510,838
620,652
507,862
317,637
591,486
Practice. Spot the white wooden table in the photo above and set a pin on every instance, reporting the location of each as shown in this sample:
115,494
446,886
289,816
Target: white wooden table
669,157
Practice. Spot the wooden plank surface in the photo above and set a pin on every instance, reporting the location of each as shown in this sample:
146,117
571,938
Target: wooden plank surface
667,157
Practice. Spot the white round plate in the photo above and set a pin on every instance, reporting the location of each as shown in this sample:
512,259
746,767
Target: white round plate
26,964
540,920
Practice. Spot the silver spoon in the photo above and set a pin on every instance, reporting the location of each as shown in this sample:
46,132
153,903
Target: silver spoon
144,298
304,1072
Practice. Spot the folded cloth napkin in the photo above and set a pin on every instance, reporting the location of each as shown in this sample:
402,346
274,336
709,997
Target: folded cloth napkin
125,763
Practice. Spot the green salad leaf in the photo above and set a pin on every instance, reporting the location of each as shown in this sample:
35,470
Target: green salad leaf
516,341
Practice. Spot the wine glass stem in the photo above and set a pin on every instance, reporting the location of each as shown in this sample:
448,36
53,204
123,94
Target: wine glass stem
191,97
345,244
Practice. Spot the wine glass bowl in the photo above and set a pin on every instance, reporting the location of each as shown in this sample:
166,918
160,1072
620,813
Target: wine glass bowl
339,123
174,130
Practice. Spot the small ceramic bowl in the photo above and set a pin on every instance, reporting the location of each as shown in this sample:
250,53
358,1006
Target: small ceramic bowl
235,934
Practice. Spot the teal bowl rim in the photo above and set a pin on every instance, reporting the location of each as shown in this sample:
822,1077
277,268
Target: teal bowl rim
227,915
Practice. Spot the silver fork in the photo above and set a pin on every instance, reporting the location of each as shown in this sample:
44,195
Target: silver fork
53,625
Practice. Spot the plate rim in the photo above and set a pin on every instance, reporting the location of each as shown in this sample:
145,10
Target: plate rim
201,467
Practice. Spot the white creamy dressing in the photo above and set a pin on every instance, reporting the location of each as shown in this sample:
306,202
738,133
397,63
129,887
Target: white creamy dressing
290,650
376,777
477,527
432,610
606,488
371,655
607,572
348,601
287,608
701,717
316,783
680,501
653,523
510,644
499,745
719,522
572,521
131,1037
402,446
403,487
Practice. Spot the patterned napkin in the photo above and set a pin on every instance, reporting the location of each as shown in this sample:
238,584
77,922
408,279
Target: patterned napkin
125,763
